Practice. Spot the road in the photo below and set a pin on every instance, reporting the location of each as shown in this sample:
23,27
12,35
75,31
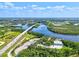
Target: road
24,46
9,53
14,40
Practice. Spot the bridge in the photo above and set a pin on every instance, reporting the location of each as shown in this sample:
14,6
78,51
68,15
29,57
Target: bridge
14,40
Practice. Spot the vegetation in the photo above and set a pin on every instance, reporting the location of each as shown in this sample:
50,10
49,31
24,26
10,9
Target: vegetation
46,40
36,34
70,49
66,51
8,32
73,45
27,36
8,38
36,25
63,28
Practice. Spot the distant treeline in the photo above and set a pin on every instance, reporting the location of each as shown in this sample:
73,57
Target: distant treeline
33,20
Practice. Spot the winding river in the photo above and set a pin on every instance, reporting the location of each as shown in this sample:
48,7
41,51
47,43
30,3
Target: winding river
43,30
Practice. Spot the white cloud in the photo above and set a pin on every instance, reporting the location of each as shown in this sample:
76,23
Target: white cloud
59,7
6,5
24,7
30,10
34,5
9,5
73,8
48,7
39,8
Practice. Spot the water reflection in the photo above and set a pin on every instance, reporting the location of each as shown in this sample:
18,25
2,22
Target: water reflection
43,29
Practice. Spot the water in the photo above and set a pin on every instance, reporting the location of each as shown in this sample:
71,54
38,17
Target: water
43,30
25,26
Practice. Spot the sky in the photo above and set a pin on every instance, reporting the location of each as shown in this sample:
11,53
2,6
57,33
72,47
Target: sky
39,9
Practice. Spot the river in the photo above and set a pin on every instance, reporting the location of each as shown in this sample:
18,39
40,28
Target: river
43,30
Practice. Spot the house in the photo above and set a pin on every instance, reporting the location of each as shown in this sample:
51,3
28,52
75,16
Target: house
57,44
76,24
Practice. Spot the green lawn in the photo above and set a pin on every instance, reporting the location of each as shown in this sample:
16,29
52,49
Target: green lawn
7,34
64,28
8,37
25,38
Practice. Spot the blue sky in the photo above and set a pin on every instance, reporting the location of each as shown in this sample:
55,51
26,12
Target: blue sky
39,9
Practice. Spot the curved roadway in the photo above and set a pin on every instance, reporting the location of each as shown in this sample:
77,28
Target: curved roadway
24,46
14,40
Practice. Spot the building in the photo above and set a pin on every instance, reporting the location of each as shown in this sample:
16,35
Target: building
57,44
76,24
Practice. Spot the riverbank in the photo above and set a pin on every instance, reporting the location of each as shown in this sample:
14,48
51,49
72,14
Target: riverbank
67,29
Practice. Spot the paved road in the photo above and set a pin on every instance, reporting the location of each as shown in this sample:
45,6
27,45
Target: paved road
14,40
26,45
9,53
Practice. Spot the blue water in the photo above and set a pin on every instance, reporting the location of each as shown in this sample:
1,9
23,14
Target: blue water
43,30
25,26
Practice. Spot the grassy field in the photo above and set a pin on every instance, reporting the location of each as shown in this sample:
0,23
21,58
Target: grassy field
8,37
25,38
64,28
